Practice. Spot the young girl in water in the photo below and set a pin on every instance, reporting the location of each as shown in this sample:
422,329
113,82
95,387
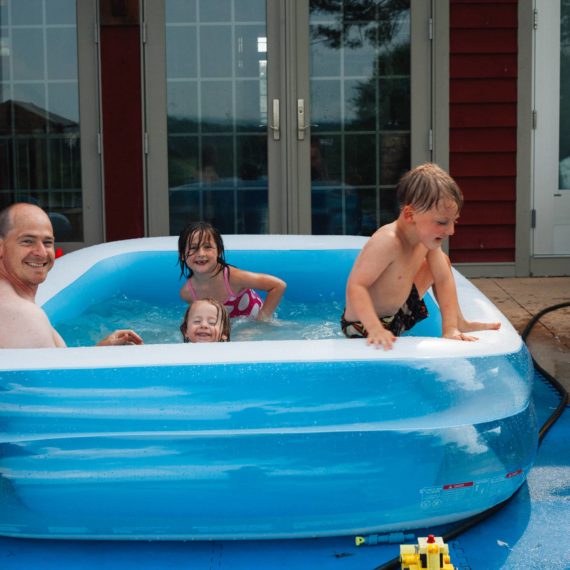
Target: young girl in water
206,320
202,261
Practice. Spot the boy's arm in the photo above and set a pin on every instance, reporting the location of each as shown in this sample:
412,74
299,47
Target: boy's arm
368,267
446,293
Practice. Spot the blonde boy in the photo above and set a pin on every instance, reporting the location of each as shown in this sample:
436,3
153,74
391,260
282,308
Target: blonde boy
402,260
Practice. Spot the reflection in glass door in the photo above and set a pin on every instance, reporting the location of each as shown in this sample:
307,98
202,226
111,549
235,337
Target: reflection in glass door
235,69
216,70
360,112
39,112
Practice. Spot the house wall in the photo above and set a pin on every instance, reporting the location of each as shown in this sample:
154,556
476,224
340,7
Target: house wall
483,128
122,120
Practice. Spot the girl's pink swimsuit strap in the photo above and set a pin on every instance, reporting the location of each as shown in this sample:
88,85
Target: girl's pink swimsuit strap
247,304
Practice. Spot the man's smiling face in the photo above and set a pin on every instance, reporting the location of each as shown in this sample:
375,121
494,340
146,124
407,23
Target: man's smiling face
27,250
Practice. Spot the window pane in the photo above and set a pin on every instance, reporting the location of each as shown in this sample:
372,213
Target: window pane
360,111
181,52
26,12
39,111
180,11
251,158
251,50
326,105
251,115
217,147
61,53
182,106
215,51
250,11
60,12
29,108
215,10
326,159
28,54
217,106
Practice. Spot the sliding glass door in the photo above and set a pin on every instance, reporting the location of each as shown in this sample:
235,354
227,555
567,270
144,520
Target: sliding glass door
277,116
360,56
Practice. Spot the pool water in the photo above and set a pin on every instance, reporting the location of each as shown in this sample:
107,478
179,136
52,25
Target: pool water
160,324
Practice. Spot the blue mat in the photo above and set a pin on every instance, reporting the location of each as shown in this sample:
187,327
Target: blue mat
531,532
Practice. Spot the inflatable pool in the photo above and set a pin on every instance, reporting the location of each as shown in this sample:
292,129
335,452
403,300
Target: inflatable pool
263,439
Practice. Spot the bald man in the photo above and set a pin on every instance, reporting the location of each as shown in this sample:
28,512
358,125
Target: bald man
27,254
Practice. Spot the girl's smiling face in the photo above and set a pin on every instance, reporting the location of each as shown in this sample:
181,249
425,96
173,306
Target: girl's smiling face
204,323
201,253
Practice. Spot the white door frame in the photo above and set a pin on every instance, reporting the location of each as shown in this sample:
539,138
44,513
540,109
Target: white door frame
550,205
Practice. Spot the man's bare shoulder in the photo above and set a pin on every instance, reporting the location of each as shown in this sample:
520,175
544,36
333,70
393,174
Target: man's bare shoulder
24,324
11,302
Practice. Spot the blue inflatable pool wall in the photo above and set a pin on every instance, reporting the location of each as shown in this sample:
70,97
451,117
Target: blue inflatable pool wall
268,439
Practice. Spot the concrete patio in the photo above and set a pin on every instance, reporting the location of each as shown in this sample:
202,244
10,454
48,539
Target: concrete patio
522,298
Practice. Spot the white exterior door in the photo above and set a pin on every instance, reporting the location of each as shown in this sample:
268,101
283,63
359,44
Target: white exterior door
551,178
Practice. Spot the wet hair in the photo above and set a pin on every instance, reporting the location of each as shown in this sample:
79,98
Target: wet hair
425,186
221,315
202,231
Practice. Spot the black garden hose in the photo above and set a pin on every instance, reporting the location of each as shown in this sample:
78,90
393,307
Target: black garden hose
394,564
555,384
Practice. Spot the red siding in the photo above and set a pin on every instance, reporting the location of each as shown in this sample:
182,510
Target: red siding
483,129
483,66
477,15
477,164
483,91
491,139
122,131
483,115
487,189
501,213
492,238
483,41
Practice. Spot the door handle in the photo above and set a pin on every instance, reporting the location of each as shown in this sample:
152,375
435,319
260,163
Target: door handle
301,124
275,124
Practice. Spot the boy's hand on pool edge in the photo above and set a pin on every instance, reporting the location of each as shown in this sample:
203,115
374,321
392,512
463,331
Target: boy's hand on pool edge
381,337
121,337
